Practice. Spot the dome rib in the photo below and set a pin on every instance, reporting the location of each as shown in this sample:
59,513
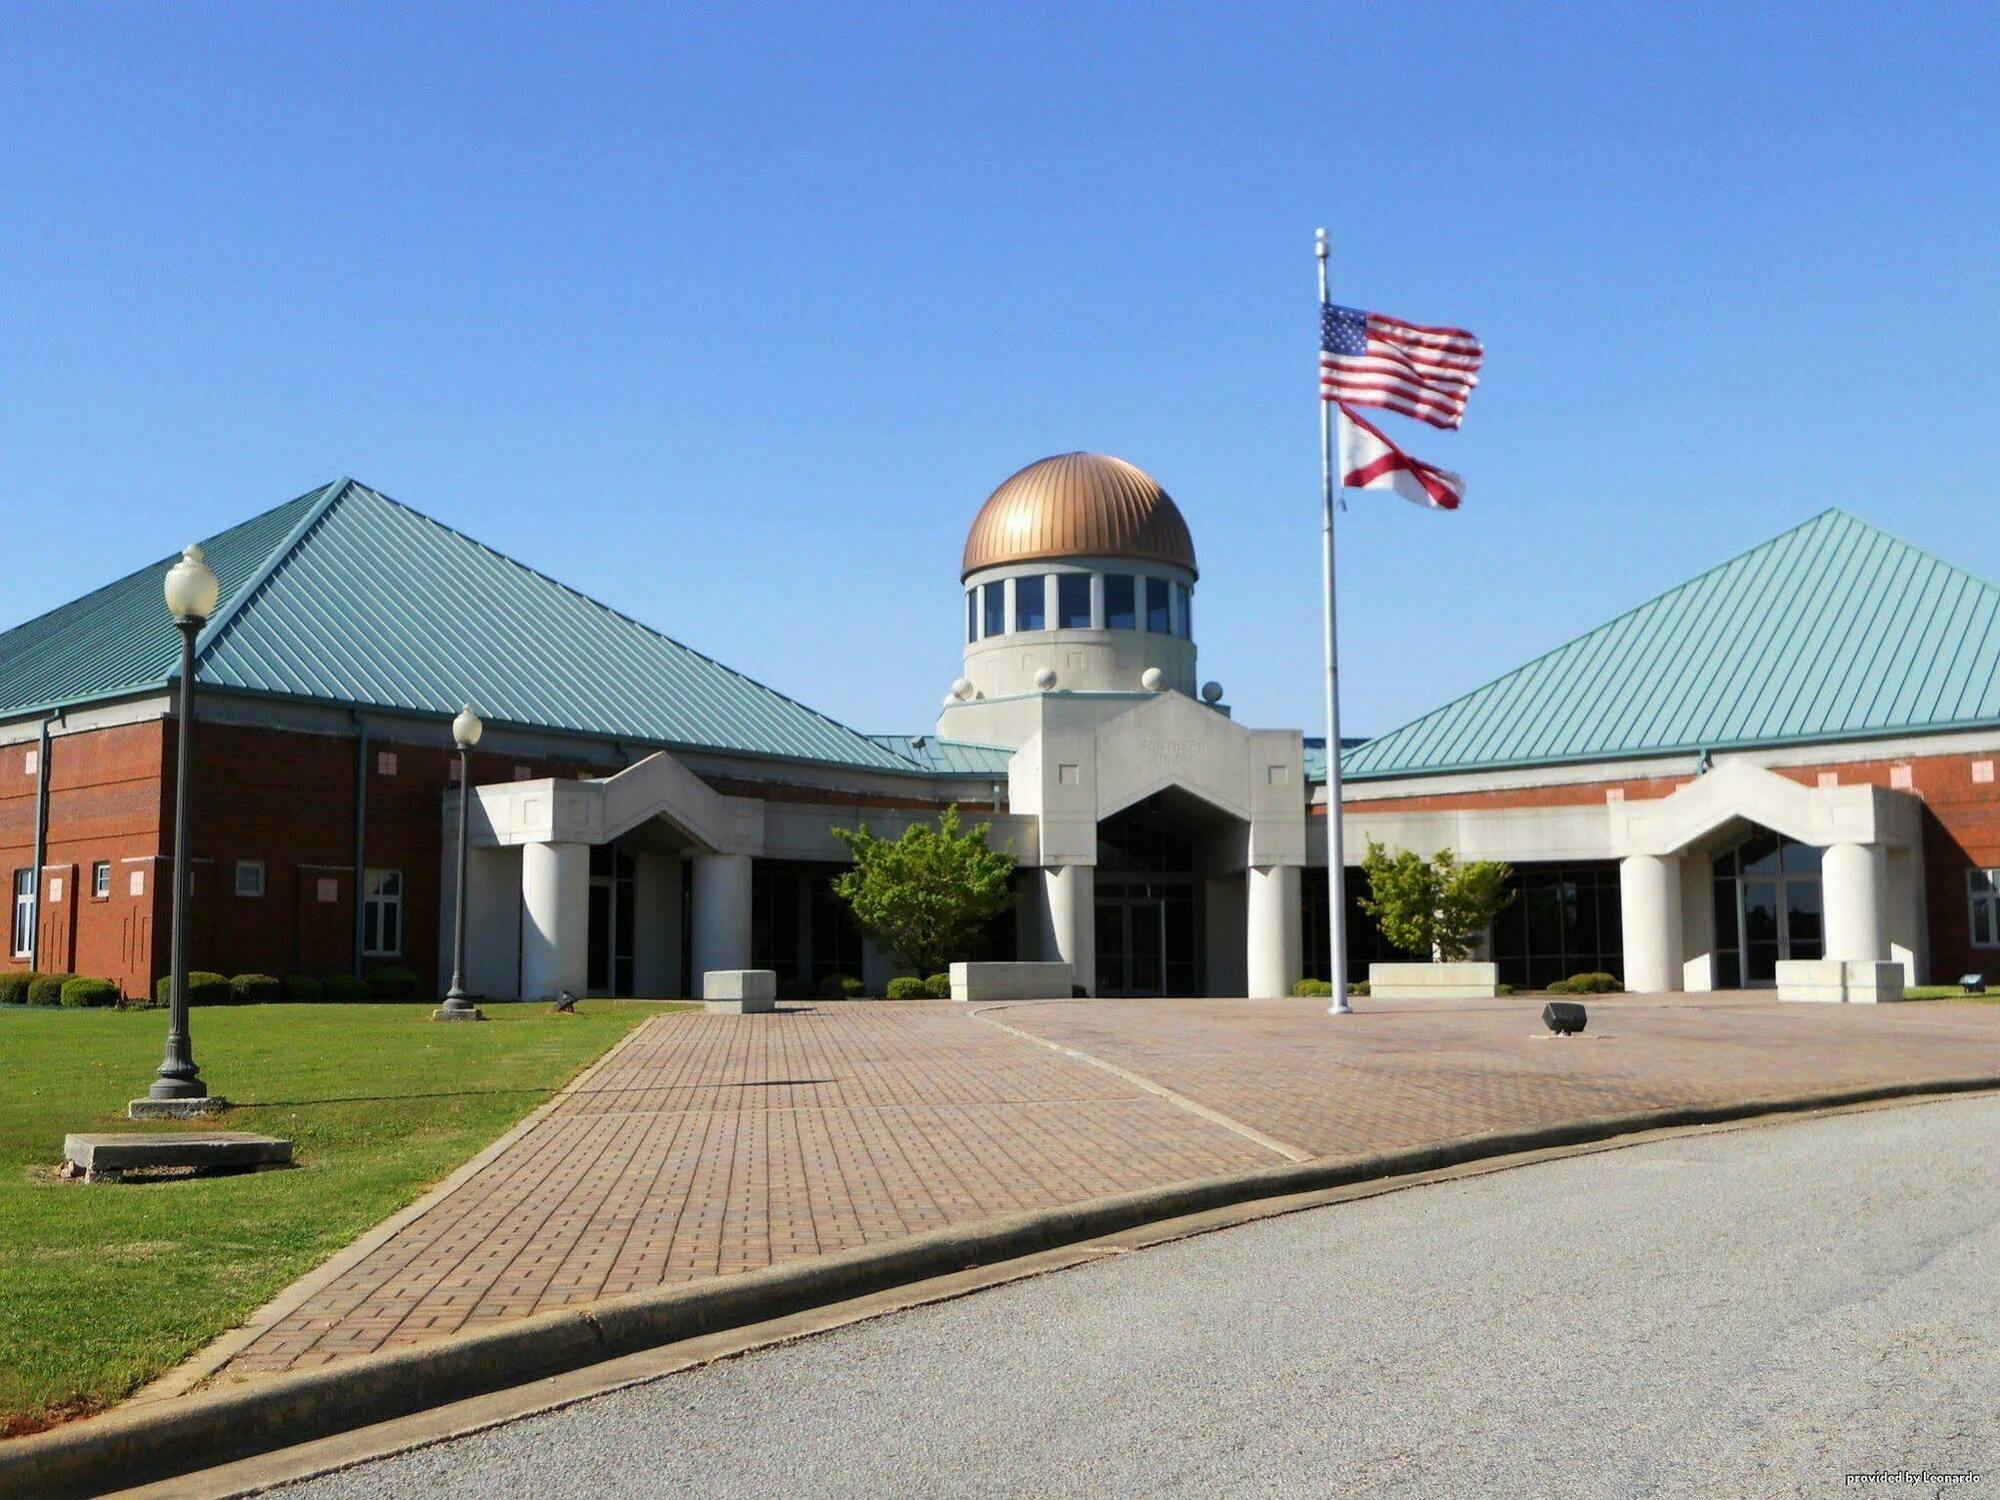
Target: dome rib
1078,505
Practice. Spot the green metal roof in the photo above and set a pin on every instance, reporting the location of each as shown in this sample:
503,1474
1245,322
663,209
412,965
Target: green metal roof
948,757
1833,630
1315,754
343,595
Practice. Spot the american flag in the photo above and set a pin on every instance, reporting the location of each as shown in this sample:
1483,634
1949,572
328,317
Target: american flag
1372,360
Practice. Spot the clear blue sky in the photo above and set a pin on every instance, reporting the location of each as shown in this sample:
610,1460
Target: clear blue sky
732,320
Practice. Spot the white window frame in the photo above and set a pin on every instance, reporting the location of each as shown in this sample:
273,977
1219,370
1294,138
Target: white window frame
375,907
24,913
247,867
100,880
1989,899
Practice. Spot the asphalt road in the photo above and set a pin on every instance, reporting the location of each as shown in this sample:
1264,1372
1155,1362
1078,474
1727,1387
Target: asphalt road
1759,1313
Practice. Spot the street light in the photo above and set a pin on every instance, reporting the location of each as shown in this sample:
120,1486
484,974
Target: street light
191,591
458,1006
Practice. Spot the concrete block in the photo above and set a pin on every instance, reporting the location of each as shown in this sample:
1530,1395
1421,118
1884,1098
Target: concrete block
739,992
149,1108
1460,981
100,1156
1012,981
1853,981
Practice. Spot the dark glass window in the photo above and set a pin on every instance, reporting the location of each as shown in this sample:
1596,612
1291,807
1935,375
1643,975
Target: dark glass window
1073,601
1187,610
1158,618
971,616
995,598
1120,602
1031,599
799,928
1563,920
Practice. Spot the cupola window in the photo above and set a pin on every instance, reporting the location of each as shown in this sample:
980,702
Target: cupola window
1120,602
994,597
1186,602
1031,602
971,616
1157,618
1073,601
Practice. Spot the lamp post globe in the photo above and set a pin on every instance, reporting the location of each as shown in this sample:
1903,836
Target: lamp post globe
466,729
191,590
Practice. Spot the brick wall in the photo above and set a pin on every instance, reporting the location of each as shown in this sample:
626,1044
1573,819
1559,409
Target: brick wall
104,807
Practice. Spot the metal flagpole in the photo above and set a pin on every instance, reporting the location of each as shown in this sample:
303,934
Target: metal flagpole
1336,852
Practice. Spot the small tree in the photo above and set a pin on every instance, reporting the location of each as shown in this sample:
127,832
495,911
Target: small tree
925,897
1435,907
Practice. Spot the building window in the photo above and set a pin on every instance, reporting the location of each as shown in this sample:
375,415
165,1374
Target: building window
1073,601
249,877
971,616
994,597
382,914
24,912
1158,618
1031,602
1185,599
100,879
1121,610
1984,886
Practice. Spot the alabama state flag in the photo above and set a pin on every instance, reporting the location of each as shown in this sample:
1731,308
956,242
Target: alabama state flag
1369,461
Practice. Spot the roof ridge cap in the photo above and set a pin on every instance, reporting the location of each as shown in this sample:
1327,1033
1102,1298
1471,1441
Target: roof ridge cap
218,624
632,620
1624,614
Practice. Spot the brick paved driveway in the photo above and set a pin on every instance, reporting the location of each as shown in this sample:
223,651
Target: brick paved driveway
712,1144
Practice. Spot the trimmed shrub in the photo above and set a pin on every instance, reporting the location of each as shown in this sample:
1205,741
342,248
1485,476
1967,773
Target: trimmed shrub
14,986
344,987
303,989
1503,989
82,994
840,987
256,989
1360,988
938,986
204,988
1595,983
907,987
46,989
1313,989
392,984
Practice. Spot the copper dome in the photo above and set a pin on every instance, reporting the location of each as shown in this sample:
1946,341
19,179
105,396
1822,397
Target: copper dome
1078,505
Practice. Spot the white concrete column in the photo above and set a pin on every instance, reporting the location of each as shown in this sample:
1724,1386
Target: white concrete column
1852,882
1649,898
555,919
1069,920
656,915
721,936
493,923
1273,938
1697,920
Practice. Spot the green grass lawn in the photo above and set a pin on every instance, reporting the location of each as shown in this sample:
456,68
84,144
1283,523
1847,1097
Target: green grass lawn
104,1287
1947,992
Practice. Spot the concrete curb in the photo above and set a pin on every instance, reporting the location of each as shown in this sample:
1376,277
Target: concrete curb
158,1440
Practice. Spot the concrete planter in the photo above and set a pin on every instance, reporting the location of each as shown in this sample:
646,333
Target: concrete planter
1460,981
1852,981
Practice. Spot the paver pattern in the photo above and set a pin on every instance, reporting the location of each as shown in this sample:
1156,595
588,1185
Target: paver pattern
710,1145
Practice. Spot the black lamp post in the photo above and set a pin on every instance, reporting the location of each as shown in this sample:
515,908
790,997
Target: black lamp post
191,593
458,1006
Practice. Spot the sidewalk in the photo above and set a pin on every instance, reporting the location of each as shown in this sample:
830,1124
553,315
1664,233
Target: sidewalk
711,1145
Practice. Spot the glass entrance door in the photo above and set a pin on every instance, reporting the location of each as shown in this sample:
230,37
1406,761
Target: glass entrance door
1145,940
1767,909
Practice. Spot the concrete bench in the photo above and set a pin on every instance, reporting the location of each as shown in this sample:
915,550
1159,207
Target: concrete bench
103,1158
1012,981
739,992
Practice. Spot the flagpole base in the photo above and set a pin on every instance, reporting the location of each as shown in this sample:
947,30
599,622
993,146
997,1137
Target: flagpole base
1340,1008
